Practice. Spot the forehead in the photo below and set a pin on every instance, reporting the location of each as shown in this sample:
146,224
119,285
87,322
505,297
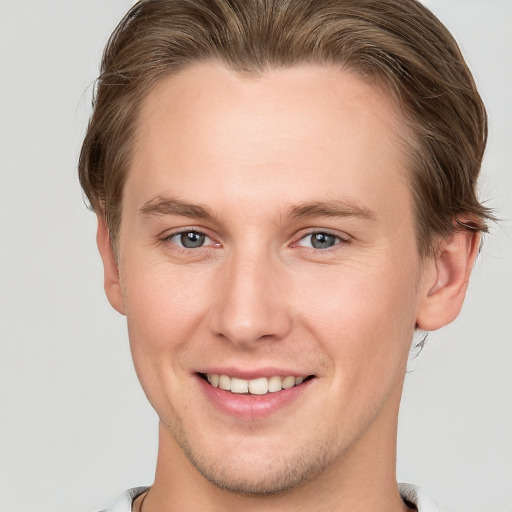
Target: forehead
285,136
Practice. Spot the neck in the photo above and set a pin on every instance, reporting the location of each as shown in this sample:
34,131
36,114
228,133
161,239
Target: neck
361,479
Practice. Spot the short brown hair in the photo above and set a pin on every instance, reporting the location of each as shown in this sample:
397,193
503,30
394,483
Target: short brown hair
398,44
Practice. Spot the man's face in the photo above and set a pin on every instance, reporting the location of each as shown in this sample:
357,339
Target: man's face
267,233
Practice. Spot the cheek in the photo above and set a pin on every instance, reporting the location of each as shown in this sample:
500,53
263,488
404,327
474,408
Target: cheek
161,298
163,310
365,320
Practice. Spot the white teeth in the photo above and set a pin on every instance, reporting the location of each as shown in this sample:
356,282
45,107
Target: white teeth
259,386
239,385
288,382
274,384
225,382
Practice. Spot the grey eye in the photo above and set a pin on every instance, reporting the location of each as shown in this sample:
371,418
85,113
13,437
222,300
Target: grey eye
192,239
319,240
322,240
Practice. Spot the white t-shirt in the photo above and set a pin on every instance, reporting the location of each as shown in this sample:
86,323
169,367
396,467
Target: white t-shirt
409,492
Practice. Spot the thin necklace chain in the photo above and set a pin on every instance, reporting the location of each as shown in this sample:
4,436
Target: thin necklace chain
143,500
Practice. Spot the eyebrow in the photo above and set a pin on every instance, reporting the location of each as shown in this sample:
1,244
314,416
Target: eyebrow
170,206
343,208
160,205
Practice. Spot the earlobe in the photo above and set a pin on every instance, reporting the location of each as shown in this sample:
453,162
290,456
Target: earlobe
447,279
111,273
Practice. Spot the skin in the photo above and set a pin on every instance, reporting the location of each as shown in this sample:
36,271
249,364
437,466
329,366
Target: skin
252,151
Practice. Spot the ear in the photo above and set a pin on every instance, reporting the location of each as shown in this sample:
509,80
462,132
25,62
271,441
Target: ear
447,278
111,273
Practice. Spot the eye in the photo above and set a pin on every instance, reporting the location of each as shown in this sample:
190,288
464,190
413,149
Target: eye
320,240
189,239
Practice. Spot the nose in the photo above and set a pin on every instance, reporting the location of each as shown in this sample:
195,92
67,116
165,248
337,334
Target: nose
251,303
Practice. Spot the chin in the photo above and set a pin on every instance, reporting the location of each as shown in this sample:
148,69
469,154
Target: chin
263,473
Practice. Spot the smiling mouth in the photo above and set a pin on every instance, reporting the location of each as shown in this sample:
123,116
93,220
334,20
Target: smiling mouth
259,386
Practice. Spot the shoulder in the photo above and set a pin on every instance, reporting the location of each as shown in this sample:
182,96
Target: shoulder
418,497
124,502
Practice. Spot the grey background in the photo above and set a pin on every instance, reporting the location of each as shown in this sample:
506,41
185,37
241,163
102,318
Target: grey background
75,428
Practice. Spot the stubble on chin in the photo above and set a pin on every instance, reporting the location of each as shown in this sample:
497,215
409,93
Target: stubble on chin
267,475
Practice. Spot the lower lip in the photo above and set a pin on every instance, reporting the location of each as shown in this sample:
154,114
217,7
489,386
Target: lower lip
251,407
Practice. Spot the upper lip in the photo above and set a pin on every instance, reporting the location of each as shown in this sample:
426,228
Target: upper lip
253,373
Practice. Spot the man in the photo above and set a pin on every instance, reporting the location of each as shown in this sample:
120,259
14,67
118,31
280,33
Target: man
285,193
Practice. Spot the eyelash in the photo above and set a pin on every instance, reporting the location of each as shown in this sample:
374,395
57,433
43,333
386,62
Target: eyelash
339,240
168,238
